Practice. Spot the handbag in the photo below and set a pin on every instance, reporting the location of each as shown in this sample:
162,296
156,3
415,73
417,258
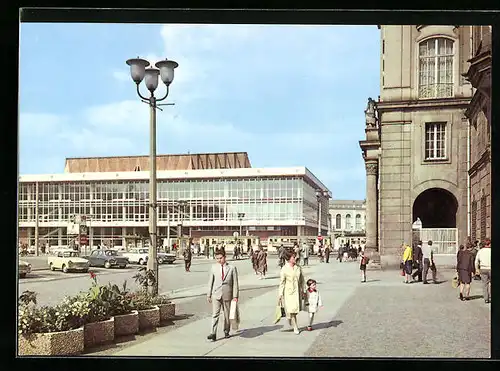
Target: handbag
454,281
279,313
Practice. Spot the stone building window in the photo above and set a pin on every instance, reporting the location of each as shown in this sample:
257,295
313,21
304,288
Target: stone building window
435,141
338,222
348,224
473,227
358,222
436,68
483,218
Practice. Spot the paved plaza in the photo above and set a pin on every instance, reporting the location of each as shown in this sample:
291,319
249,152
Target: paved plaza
380,318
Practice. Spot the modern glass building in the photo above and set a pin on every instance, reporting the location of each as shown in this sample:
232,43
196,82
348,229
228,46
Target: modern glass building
201,202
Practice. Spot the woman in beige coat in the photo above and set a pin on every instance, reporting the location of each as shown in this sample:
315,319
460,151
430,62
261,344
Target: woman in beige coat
291,290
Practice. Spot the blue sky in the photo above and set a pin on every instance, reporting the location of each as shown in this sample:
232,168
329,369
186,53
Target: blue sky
287,95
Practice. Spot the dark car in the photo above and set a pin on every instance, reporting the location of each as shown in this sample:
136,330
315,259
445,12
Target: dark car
106,259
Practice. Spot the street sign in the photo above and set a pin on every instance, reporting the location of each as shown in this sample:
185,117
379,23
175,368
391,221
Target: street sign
84,240
84,229
320,238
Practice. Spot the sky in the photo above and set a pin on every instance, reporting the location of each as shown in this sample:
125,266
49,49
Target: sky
287,95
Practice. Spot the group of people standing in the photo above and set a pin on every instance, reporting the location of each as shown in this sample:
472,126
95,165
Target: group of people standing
416,262
473,263
259,261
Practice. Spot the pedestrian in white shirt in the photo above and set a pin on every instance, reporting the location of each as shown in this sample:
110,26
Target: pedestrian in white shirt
428,259
483,266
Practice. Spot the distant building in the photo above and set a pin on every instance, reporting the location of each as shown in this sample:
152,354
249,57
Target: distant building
347,222
214,194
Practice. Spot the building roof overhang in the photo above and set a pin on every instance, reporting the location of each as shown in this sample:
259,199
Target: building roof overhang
300,171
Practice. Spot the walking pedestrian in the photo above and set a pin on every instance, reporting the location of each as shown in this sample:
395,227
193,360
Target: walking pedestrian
188,255
305,253
261,262
281,256
296,250
428,256
465,271
483,266
291,289
313,301
223,288
362,266
339,254
407,262
253,260
417,261
327,253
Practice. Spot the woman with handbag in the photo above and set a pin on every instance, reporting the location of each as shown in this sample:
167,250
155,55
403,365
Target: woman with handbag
408,262
465,270
291,289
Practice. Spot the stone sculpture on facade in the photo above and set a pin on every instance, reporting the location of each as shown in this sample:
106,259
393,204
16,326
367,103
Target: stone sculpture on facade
371,120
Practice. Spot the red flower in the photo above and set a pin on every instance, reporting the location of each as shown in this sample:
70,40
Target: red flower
92,275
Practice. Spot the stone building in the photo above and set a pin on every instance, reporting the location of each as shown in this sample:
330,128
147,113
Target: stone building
347,222
479,114
416,145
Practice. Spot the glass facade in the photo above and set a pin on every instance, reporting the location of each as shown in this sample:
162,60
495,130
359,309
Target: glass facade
197,201
117,210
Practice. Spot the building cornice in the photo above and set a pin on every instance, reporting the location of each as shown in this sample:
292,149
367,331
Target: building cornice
483,160
479,72
474,107
410,105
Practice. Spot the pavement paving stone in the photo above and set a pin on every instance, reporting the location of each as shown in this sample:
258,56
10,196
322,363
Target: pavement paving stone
413,320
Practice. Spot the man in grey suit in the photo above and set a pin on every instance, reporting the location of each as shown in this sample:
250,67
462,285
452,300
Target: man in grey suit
223,287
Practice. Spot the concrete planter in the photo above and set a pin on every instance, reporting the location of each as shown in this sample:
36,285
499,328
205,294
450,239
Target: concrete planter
97,333
127,324
167,311
69,342
149,318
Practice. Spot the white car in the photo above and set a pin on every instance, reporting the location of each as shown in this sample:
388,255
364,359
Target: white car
67,260
137,256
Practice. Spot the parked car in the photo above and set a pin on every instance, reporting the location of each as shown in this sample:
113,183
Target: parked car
106,258
24,268
67,260
137,256
165,257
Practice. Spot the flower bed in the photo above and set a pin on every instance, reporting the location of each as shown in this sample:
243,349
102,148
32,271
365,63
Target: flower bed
69,342
149,318
97,333
167,311
127,324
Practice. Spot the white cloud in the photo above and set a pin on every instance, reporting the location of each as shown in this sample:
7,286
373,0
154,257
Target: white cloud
122,75
128,116
38,124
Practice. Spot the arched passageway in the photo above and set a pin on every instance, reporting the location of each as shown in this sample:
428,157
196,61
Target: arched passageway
436,208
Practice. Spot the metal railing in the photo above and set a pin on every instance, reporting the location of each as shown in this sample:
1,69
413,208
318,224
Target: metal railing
444,240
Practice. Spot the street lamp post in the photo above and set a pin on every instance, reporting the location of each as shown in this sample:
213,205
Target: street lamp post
319,194
240,218
138,72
